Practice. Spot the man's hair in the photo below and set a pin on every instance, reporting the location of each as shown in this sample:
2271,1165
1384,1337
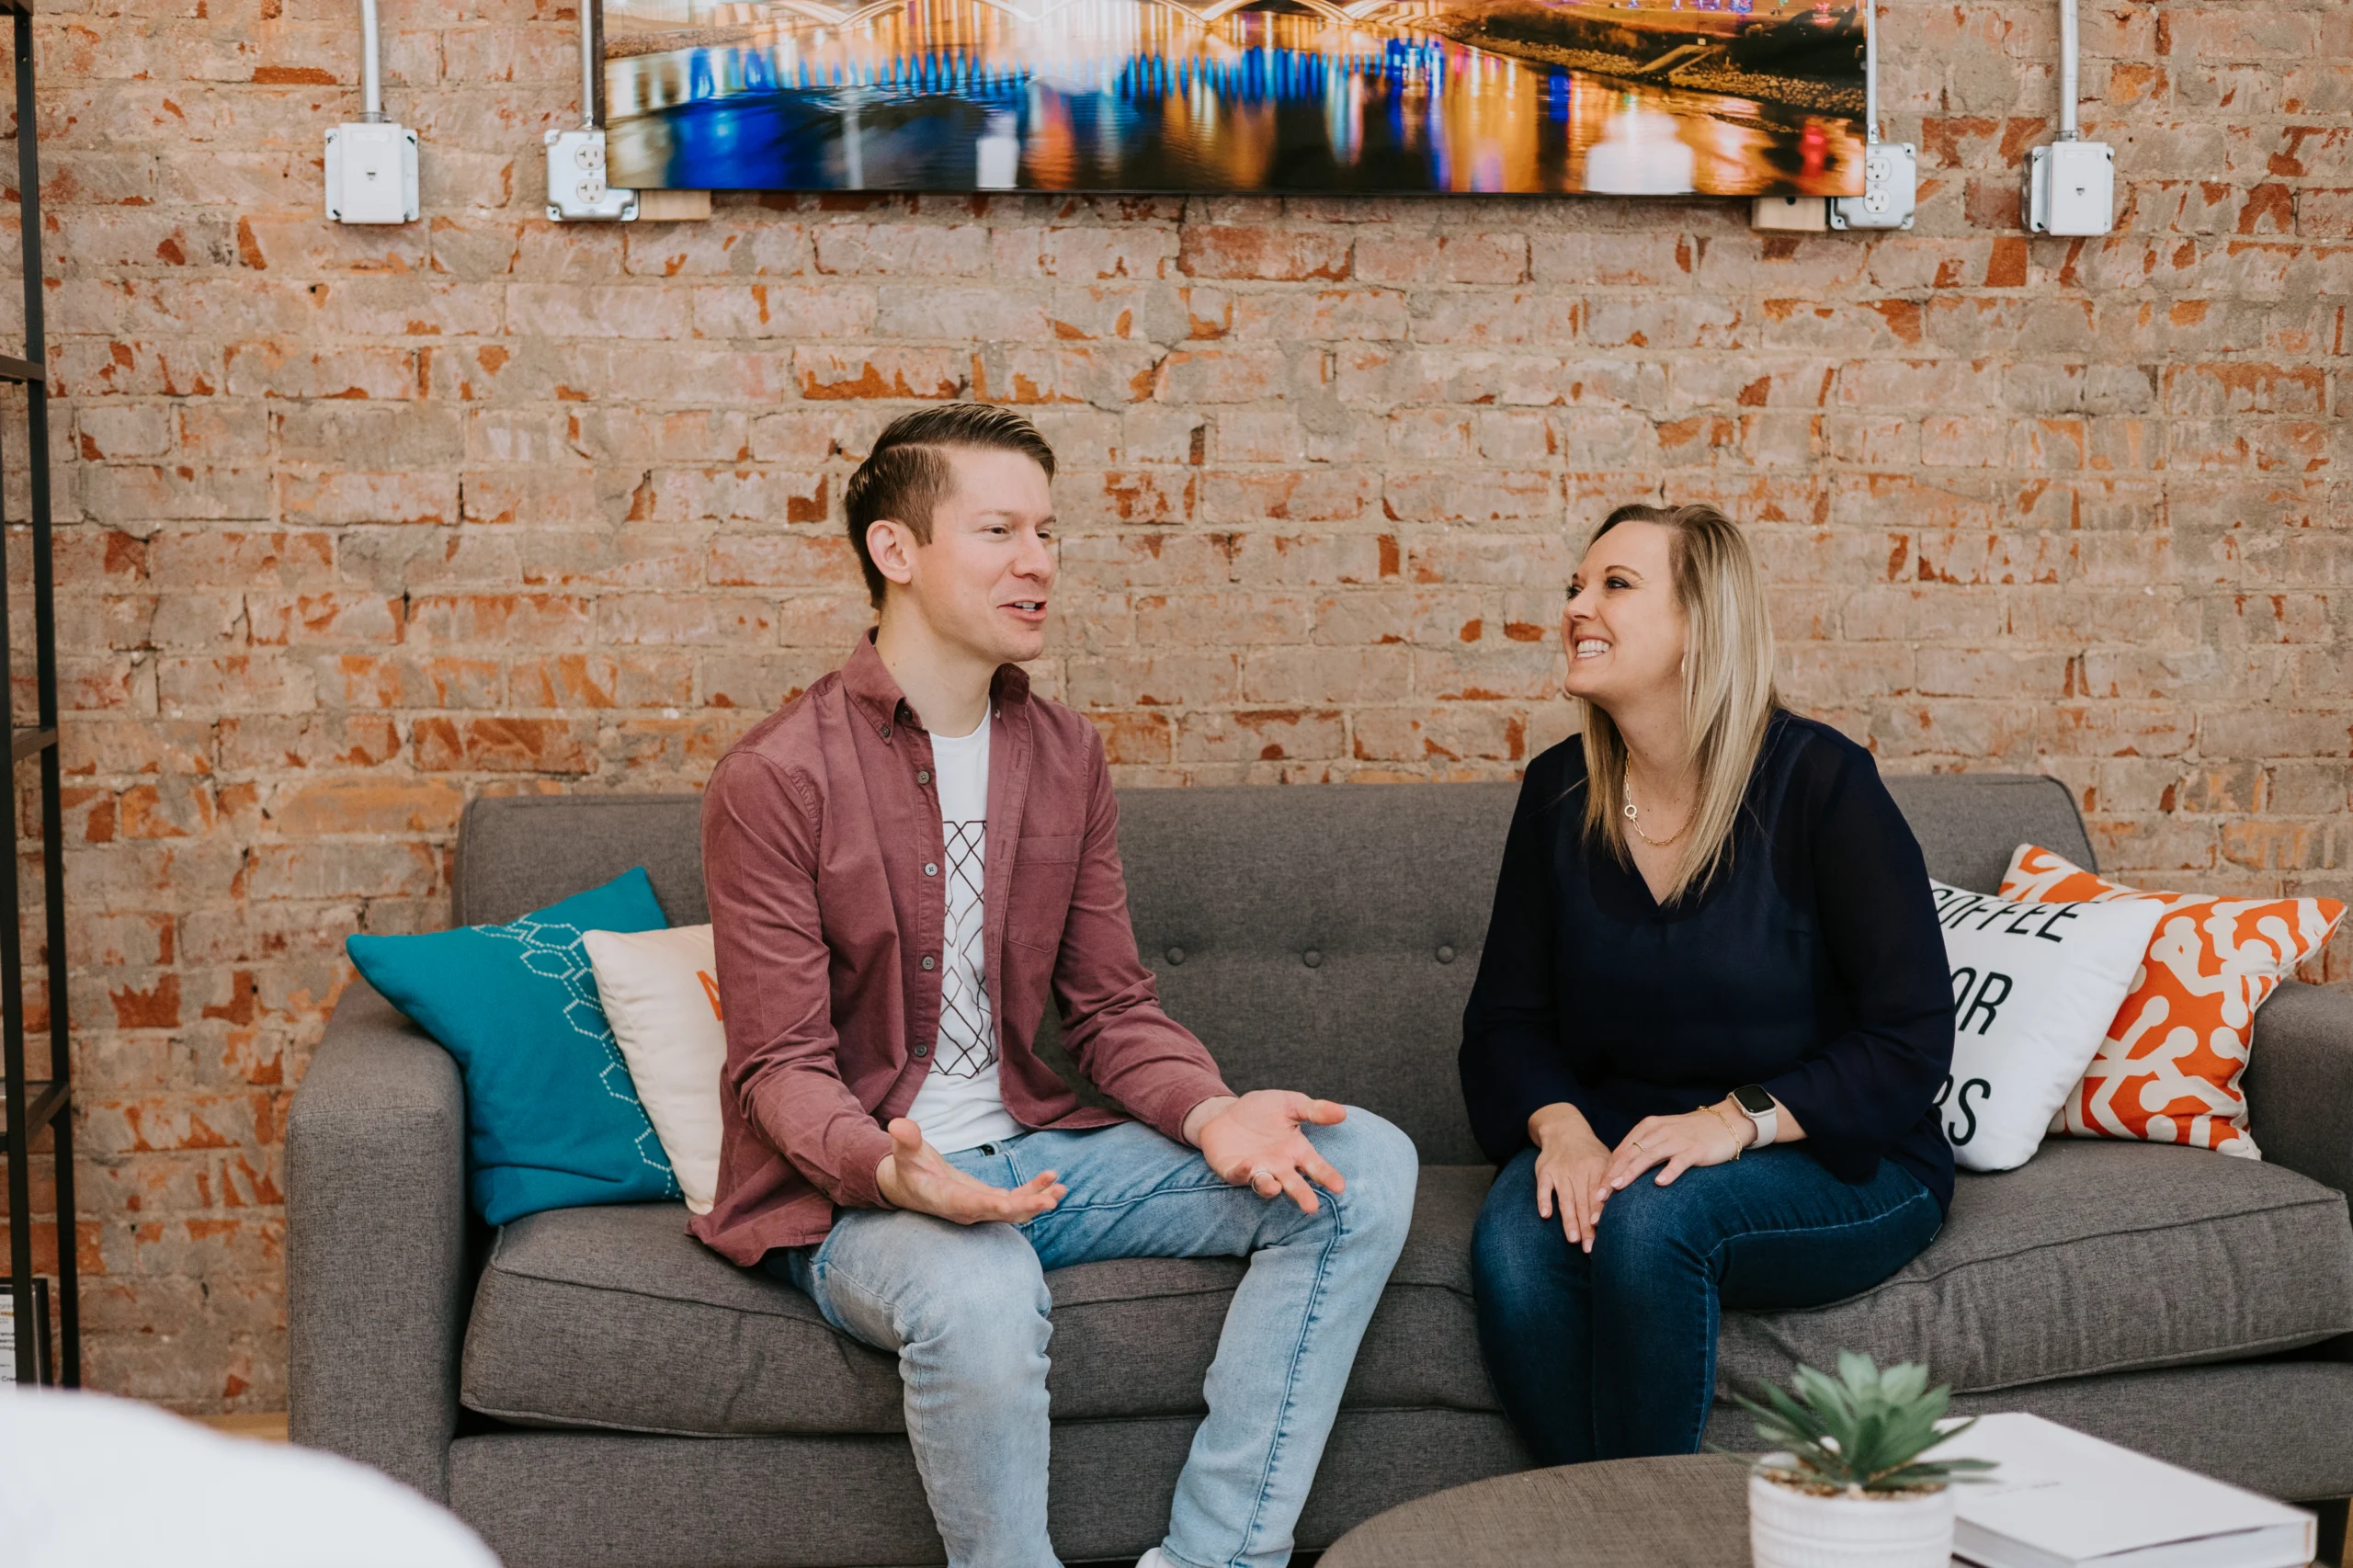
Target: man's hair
907,474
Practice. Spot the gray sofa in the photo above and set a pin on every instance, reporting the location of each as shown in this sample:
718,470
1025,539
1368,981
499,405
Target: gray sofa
591,1387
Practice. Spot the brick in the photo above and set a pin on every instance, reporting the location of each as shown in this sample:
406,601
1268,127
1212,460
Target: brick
1476,496
504,746
1439,737
597,680
368,805
1262,734
1234,251
371,681
305,742
529,621
684,618
906,250
881,372
779,559
759,683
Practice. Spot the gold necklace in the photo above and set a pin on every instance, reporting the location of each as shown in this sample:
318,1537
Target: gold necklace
1634,821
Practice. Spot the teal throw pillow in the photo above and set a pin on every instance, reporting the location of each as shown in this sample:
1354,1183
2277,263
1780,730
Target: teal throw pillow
552,1118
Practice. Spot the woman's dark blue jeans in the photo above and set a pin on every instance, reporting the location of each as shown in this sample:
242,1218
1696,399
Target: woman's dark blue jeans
1612,1354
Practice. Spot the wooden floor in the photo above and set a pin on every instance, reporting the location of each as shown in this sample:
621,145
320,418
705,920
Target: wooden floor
269,1428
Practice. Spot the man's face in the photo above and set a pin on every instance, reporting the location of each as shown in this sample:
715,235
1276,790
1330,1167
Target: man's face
983,580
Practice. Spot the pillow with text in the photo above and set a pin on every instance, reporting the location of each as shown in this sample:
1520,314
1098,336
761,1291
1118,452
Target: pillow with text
2033,988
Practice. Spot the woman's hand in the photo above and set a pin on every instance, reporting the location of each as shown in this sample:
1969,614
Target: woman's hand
1570,1166
1706,1137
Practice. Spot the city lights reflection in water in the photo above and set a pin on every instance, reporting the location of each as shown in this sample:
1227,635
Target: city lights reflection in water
951,95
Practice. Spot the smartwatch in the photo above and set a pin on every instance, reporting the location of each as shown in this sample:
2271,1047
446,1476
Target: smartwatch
1758,1107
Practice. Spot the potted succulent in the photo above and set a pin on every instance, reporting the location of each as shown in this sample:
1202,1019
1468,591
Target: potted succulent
1849,1488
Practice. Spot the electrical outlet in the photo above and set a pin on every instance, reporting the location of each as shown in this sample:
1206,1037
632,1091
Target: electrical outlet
577,189
1891,189
371,173
2071,188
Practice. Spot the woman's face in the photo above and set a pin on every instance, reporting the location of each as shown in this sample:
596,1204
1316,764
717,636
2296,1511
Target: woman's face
1623,629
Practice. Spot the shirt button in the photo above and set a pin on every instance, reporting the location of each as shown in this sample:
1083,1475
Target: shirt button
885,731
1446,955
931,868
930,962
923,1051
923,775
1312,959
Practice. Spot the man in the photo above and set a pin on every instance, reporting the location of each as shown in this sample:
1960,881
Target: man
907,864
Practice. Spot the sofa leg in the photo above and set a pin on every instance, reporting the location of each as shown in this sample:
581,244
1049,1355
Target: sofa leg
2332,1532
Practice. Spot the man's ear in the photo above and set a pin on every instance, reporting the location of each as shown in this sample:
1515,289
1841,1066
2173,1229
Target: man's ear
892,544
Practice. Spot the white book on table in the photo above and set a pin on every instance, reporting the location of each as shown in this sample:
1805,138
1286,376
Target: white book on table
2061,1499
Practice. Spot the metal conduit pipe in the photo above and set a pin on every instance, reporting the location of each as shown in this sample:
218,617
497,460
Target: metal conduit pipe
1870,73
2067,73
372,80
592,47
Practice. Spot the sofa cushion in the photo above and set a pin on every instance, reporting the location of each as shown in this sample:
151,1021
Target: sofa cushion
615,1317
2091,1257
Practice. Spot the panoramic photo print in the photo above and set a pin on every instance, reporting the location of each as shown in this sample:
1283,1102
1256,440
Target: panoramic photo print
1634,97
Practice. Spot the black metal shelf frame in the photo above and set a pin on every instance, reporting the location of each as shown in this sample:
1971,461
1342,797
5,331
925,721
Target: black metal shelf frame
33,1104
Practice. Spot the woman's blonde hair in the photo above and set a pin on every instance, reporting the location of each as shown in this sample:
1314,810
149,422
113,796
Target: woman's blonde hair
1728,693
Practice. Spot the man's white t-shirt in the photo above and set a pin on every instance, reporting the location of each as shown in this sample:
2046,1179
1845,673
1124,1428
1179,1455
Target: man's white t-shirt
959,1105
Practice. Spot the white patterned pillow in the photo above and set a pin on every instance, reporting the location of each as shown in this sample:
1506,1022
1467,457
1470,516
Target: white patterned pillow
2033,987
661,995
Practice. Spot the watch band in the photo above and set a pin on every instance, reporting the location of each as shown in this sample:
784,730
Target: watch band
1767,1121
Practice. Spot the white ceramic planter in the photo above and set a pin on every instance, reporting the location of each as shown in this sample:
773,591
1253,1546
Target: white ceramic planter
1789,1528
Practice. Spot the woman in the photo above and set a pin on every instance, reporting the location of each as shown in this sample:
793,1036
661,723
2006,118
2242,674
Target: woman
1710,1019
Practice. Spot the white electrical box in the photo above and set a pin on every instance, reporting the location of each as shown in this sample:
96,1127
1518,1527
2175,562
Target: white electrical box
371,173
1891,189
2071,188
576,188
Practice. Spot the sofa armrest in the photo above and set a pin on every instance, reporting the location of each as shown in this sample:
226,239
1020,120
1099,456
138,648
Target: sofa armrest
376,1244
2300,1082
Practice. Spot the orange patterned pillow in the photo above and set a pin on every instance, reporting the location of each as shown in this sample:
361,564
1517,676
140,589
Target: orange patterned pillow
2169,1072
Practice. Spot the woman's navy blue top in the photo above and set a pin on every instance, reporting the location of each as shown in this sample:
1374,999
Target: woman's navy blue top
1811,964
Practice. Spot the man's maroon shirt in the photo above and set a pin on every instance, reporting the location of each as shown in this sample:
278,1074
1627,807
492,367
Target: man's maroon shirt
817,830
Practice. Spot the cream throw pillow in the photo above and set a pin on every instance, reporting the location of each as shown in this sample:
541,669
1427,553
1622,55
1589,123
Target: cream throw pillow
2033,988
661,995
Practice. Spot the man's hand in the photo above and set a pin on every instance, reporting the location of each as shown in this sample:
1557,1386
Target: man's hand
916,1175
1570,1162
1255,1141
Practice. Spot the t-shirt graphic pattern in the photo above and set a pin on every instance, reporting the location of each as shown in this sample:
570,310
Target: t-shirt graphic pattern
959,1104
967,1039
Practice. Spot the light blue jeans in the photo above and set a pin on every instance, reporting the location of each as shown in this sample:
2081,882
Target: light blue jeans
964,1306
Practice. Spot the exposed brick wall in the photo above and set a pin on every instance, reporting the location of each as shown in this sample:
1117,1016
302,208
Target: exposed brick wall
358,522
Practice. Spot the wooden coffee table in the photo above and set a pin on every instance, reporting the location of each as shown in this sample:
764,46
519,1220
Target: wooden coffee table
1691,1511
